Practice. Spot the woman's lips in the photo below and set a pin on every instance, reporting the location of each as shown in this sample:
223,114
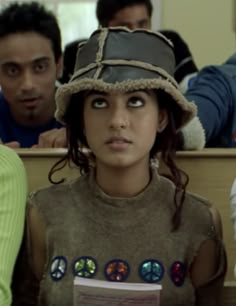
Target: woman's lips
118,143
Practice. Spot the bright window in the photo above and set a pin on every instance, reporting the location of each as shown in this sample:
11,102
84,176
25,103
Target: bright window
77,18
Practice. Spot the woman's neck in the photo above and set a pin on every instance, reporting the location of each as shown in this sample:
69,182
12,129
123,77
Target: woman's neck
124,182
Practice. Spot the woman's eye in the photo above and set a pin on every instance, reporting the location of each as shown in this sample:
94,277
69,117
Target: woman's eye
136,102
99,103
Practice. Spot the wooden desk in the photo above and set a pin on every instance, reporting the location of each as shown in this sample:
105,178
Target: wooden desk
211,173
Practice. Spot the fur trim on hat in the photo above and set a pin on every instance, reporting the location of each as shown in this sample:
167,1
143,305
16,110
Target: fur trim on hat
64,93
193,135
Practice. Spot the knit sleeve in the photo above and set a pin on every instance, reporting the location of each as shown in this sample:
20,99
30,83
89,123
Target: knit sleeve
13,193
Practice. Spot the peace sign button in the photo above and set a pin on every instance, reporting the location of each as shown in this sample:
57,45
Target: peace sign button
117,270
177,273
151,271
85,266
58,268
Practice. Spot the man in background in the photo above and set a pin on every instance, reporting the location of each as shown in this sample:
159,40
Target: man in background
30,63
213,91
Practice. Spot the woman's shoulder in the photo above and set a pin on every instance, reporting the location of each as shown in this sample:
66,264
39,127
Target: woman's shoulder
57,193
202,214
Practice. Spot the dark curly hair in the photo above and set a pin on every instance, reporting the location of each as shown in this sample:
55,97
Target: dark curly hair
31,17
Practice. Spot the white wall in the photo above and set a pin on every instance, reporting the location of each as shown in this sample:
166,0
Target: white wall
157,14
206,25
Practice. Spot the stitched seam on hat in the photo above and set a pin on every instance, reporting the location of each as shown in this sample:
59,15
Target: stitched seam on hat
101,44
83,70
133,63
143,65
98,72
158,34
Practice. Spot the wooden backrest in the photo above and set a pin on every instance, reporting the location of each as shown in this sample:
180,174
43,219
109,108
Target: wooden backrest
211,173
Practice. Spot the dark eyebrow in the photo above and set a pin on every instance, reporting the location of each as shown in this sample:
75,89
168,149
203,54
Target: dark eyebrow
36,60
10,64
143,20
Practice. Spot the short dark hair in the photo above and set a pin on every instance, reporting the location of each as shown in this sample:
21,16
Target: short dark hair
106,9
31,17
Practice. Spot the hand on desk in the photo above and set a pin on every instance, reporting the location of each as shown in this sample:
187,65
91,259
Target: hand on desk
55,138
12,144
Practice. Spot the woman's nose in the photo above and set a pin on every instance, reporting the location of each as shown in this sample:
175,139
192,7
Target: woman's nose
119,118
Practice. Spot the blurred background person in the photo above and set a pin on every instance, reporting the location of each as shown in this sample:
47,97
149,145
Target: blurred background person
30,63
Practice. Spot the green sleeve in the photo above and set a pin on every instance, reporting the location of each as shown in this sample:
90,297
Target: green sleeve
13,192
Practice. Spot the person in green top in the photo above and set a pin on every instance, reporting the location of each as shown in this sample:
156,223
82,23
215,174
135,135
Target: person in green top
13,192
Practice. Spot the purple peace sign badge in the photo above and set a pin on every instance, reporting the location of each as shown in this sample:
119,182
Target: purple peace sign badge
151,271
58,268
178,273
85,266
117,270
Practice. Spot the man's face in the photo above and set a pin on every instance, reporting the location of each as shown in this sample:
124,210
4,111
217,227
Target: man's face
134,17
28,72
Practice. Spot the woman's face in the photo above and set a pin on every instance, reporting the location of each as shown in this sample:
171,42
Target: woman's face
121,128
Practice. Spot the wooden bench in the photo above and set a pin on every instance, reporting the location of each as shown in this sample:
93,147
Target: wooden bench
211,173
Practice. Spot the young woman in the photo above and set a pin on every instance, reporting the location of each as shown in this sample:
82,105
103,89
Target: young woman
13,192
121,220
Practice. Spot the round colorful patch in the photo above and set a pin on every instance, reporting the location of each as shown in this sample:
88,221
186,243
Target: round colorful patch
151,271
178,273
117,270
85,266
58,268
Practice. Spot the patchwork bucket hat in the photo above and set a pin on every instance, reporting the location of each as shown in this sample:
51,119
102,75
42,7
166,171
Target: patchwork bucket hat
121,60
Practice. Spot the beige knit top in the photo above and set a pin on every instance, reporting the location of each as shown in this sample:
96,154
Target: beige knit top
94,235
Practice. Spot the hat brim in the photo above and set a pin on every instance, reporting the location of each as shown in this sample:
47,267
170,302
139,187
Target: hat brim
187,110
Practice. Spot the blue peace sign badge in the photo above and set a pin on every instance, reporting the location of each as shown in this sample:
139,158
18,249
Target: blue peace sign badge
58,268
151,271
85,266
178,273
117,270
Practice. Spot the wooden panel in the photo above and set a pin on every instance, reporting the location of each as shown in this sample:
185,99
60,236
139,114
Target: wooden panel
38,162
211,173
